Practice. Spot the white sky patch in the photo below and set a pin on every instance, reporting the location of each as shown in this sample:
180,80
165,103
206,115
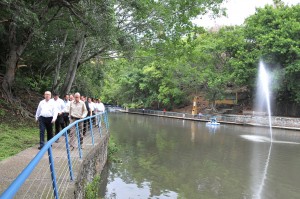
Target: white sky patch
237,12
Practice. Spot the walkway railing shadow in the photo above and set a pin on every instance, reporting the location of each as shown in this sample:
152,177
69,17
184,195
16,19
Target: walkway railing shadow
52,172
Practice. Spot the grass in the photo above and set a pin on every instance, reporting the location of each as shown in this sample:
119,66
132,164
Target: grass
14,139
16,132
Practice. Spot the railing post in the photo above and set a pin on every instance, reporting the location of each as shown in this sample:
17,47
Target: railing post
99,125
106,120
69,156
91,130
52,169
78,140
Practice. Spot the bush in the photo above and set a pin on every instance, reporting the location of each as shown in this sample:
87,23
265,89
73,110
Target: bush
92,189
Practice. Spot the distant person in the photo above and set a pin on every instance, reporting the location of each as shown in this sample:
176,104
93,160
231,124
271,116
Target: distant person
91,105
66,110
82,98
77,111
46,115
200,115
164,111
89,113
60,106
96,106
92,108
97,110
101,107
71,98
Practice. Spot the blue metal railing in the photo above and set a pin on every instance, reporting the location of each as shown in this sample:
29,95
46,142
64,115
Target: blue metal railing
14,187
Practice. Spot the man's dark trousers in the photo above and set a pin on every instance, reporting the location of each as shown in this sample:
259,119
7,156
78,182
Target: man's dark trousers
45,124
66,120
86,125
59,124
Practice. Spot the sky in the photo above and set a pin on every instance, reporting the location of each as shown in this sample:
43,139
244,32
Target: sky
237,11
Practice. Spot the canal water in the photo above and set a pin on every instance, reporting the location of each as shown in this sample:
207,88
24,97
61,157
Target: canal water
173,158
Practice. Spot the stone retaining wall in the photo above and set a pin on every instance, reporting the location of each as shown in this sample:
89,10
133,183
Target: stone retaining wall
253,120
91,165
276,121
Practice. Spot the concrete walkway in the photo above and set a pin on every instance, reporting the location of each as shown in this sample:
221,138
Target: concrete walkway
39,183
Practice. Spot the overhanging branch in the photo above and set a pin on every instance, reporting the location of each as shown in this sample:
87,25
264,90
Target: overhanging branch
78,16
93,55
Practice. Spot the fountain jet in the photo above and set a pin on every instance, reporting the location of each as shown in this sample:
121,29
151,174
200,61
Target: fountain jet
263,93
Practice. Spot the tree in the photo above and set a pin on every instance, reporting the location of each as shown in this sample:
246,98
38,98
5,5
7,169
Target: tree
98,27
20,20
273,36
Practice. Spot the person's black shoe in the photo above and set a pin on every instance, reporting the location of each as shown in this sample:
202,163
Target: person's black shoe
40,147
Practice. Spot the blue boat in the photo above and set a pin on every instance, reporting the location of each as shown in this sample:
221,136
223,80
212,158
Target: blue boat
213,122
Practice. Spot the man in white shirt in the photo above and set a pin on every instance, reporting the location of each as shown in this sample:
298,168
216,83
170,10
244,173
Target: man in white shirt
46,114
92,109
101,107
60,106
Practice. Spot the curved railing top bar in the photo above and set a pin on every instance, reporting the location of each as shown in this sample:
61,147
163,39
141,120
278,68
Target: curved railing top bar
14,187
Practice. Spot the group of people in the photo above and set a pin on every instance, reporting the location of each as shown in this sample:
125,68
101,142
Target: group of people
62,112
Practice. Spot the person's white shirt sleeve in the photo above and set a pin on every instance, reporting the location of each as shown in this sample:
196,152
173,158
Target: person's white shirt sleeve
55,112
38,111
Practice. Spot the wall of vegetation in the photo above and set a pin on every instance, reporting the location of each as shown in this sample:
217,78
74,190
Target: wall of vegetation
147,53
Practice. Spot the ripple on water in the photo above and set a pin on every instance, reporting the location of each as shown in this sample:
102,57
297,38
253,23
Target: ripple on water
257,138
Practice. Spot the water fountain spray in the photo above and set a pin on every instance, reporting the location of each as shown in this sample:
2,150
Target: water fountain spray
263,85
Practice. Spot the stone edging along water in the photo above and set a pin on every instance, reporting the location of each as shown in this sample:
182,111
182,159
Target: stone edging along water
91,166
249,120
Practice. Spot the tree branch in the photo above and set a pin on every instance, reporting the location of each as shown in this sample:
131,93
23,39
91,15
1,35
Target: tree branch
78,16
93,55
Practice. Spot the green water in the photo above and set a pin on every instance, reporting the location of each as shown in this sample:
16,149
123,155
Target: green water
171,158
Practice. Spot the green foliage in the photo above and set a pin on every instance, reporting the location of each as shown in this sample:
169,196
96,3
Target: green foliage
112,150
273,35
91,190
2,113
36,83
166,73
109,28
89,80
147,53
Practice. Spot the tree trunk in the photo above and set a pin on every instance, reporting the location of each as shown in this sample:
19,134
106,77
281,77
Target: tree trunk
15,51
77,53
58,66
9,76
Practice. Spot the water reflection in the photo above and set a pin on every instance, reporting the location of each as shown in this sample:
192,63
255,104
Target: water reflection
259,176
265,172
121,189
166,158
212,128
